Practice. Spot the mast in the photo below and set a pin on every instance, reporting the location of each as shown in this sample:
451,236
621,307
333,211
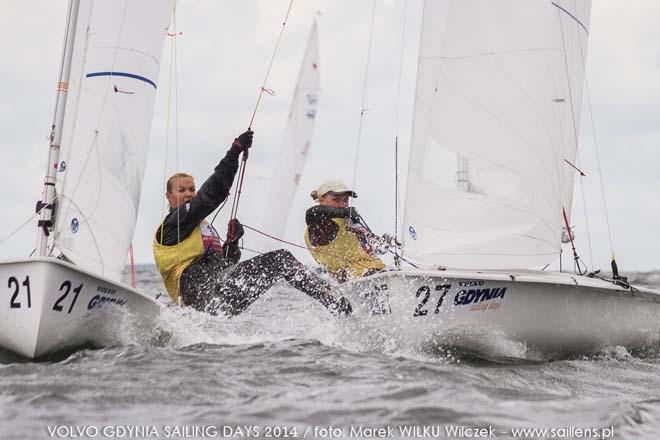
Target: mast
46,206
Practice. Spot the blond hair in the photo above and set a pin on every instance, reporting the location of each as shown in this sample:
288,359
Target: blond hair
170,181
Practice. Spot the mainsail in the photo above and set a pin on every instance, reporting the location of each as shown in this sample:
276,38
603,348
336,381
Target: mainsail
497,107
115,67
295,148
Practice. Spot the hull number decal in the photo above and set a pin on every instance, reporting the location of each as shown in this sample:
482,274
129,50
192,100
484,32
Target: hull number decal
14,285
425,293
476,296
66,288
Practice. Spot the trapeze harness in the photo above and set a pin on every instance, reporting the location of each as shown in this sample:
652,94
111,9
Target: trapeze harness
173,260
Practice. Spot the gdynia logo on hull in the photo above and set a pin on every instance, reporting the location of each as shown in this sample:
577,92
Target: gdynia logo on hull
472,296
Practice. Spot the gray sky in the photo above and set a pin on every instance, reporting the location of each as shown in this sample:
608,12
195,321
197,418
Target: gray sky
222,57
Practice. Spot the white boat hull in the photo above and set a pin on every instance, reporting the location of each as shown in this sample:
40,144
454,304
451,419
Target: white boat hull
553,314
49,305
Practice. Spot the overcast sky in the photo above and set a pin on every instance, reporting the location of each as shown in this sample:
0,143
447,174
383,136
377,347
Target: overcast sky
222,57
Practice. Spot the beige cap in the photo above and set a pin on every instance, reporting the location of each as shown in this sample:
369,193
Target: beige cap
333,185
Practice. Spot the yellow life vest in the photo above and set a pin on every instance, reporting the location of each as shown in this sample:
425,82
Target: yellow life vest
173,260
344,257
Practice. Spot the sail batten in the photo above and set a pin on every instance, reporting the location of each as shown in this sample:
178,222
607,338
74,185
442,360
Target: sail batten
499,89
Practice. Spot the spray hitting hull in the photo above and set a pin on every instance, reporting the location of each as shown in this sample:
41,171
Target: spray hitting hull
552,314
49,305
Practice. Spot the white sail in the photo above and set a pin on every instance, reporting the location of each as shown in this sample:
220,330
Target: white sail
499,92
295,148
116,62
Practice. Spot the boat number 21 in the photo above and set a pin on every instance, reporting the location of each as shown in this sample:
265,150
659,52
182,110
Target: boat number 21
21,296
15,286
424,293
66,288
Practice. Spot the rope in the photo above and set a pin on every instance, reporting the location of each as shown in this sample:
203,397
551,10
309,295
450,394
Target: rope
576,258
241,172
174,35
270,65
396,140
600,174
219,209
176,112
299,246
577,149
11,234
364,93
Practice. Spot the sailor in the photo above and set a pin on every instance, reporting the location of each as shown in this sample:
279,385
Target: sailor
337,236
200,272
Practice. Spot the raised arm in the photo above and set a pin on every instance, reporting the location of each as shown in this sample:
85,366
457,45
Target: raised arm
181,221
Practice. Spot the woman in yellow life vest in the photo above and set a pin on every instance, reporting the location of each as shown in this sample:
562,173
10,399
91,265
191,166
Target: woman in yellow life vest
200,272
336,236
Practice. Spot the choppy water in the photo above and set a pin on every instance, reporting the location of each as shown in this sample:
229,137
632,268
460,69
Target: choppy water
288,368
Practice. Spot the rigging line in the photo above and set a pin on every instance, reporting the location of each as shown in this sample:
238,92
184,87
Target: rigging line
222,205
241,175
239,188
332,254
176,114
396,199
270,65
167,125
600,173
404,260
398,88
576,258
364,93
396,139
577,148
11,234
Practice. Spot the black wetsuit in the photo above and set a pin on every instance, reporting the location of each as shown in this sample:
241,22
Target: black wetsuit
218,283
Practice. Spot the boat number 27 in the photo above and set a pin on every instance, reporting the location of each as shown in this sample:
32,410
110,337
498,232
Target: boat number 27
424,294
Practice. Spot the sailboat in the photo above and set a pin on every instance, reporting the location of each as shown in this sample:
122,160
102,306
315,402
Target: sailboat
100,134
295,148
490,187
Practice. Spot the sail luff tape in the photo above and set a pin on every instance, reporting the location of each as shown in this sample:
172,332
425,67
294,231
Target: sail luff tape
63,86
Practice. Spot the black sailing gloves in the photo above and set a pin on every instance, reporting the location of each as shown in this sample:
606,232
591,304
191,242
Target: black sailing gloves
243,142
234,231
